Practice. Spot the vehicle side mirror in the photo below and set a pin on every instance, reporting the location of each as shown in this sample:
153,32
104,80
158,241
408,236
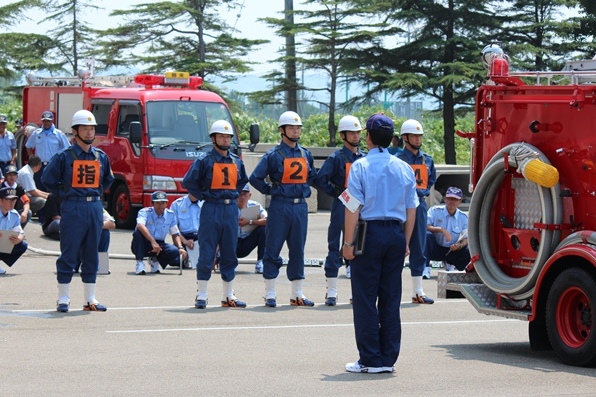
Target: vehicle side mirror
136,131
255,135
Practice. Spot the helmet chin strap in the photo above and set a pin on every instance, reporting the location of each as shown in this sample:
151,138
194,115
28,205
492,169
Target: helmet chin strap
85,141
220,147
350,143
291,139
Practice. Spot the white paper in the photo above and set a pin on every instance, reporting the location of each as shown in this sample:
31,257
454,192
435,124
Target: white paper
193,255
6,245
250,213
104,263
351,202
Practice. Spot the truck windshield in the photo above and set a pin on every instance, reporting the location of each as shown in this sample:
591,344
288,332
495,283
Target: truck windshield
173,123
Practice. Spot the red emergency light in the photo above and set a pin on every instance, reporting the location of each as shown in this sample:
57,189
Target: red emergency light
170,79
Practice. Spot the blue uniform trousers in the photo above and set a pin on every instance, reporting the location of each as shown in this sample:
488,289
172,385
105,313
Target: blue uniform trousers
256,239
141,248
18,250
219,227
418,241
334,259
376,294
434,252
286,222
81,223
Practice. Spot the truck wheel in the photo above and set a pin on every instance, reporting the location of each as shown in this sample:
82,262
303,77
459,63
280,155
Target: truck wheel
123,211
21,136
570,317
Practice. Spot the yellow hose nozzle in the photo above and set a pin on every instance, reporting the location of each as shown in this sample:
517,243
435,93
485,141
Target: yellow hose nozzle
541,173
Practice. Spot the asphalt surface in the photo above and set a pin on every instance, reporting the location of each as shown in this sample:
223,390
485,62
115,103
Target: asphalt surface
152,342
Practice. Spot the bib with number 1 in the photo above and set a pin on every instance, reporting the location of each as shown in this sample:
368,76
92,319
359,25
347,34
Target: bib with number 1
225,176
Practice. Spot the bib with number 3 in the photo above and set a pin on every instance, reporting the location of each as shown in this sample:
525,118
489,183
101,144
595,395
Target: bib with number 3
225,176
295,170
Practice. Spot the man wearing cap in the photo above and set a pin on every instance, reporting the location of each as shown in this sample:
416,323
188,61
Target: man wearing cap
148,240
426,176
286,173
217,177
45,142
26,178
188,211
22,205
446,235
251,232
79,174
332,178
10,221
8,144
382,192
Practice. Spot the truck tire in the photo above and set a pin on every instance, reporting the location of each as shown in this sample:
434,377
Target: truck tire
570,317
21,136
123,211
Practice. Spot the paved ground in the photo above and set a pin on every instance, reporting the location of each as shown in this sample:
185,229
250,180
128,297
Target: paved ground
152,342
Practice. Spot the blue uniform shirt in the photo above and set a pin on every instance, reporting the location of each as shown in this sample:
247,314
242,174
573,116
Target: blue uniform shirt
47,142
7,145
271,164
421,158
199,176
159,226
384,185
57,176
331,177
187,213
455,225
262,214
11,221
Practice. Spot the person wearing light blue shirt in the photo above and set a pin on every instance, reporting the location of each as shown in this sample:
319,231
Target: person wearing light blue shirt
11,220
446,235
153,226
8,144
255,238
382,192
188,211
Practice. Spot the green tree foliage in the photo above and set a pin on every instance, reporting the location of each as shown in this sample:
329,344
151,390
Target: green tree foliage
187,35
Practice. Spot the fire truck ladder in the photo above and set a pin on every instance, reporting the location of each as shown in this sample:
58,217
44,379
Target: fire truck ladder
95,81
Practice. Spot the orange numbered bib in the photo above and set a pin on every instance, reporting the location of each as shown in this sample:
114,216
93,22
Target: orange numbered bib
348,165
421,175
295,170
225,176
85,174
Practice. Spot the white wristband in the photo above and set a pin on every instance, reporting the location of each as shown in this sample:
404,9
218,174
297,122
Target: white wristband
250,222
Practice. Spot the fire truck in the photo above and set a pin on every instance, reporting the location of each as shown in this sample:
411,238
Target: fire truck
532,228
152,127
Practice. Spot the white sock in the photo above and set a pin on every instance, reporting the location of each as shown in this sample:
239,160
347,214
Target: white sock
228,290
417,285
332,287
202,289
296,289
89,293
64,293
270,288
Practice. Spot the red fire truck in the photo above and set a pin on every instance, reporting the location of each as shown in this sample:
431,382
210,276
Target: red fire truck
533,209
151,127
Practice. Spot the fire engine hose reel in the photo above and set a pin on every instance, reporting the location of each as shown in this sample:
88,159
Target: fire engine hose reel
535,167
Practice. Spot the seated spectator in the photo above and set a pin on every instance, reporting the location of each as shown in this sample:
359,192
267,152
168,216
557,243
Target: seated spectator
148,240
22,206
188,211
36,196
446,233
11,221
249,240
51,224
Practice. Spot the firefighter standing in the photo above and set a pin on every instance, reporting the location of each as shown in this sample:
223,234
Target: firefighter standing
332,178
290,168
424,170
79,175
217,178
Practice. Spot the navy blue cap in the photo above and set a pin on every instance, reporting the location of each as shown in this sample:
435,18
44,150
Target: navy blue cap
159,196
10,168
246,188
454,192
379,122
3,118
47,115
8,193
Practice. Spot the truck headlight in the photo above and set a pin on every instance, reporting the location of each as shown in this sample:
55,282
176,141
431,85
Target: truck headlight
156,182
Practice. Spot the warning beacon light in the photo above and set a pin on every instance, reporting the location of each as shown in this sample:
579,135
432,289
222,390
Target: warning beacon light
495,60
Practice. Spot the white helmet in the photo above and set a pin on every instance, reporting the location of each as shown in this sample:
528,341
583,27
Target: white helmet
289,118
83,117
412,127
349,123
221,127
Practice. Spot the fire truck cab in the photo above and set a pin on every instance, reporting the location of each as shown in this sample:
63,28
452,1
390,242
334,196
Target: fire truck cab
152,127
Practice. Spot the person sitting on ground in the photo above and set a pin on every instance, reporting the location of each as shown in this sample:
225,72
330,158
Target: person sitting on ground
36,196
188,211
22,206
11,221
446,233
255,238
153,225
51,225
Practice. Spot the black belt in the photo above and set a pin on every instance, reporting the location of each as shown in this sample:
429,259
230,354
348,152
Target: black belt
291,200
385,222
82,198
220,201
